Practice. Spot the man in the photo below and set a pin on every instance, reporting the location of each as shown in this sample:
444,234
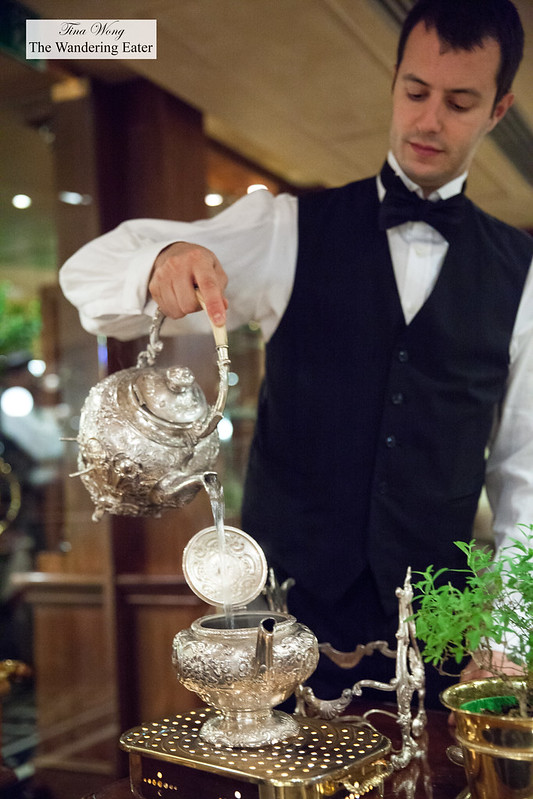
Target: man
395,345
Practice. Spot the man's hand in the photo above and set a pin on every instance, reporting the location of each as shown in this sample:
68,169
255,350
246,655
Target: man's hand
485,665
178,271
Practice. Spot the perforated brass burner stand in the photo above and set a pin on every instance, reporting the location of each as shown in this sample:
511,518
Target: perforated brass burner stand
169,759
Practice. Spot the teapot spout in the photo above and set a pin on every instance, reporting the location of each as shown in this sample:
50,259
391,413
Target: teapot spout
175,490
264,646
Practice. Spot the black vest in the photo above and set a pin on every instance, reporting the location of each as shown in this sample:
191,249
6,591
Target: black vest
370,440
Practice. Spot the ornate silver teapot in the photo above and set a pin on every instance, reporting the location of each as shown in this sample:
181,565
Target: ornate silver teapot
245,670
147,435
241,662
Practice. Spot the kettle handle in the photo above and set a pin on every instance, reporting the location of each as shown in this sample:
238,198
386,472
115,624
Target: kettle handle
219,331
155,345
223,362
147,357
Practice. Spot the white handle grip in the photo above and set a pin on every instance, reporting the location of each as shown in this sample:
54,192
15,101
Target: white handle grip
219,331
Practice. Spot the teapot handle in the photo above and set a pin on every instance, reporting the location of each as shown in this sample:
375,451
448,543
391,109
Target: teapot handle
223,362
219,332
147,357
155,345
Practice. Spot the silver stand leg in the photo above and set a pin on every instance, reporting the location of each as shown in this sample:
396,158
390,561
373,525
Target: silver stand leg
409,677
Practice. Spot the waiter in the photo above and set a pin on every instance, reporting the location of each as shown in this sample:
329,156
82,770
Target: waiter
399,325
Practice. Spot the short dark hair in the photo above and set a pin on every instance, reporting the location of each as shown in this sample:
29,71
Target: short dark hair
464,24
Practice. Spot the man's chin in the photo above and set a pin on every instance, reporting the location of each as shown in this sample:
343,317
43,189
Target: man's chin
423,175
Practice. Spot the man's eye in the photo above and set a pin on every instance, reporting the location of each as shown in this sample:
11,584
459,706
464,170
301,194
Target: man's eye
459,107
415,96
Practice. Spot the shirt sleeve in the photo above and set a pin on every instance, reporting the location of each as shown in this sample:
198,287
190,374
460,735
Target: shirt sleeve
255,240
509,478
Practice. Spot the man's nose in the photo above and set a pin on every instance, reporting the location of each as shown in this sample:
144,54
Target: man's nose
430,116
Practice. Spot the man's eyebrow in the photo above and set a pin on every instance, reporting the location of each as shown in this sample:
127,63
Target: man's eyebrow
414,79
409,77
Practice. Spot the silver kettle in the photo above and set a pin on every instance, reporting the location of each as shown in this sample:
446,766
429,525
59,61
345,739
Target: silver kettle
147,435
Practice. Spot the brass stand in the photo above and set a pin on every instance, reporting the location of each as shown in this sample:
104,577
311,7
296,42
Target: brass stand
169,758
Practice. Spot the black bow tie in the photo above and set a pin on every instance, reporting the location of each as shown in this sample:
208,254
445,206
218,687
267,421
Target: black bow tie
401,205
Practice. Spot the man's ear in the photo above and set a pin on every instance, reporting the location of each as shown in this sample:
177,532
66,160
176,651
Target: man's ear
500,109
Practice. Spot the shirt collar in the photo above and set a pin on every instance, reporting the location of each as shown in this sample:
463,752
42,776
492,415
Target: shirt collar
450,189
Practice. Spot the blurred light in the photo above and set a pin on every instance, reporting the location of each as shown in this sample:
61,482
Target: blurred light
213,199
36,367
51,382
21,201
69,89
75,198
256,187
102,352
62,410
47,135
16,401
225,429
233,379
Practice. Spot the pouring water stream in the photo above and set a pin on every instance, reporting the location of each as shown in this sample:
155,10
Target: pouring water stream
215,493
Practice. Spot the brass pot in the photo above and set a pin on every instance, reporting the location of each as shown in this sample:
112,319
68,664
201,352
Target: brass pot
497,750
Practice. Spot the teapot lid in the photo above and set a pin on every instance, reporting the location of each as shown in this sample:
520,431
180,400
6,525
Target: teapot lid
172,395
238,572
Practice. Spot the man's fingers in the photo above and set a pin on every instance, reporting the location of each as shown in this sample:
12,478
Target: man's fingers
213,300
179,270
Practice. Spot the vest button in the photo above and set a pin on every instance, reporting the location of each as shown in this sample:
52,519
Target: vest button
397,398
382,488
403,356
390,441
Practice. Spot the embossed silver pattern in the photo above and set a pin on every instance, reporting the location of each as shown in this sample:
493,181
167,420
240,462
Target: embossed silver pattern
220,664
147,436
240,570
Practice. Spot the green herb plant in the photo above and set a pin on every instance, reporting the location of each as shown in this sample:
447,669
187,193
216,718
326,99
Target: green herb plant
20,321
494,608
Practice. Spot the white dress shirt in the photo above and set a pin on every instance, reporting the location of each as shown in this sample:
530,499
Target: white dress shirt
256,241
